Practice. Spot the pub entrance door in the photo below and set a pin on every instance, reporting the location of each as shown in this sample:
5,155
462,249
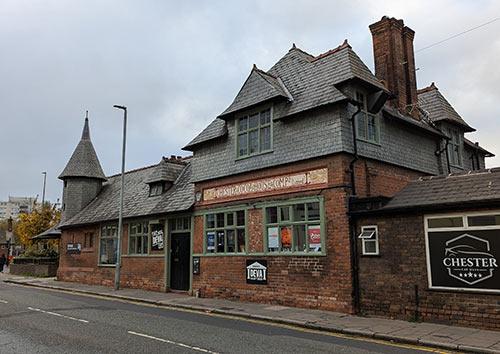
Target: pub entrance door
179,261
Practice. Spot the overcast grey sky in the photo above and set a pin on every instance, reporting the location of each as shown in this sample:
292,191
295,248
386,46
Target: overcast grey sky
177,64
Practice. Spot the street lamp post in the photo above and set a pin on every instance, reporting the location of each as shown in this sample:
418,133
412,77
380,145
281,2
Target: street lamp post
44,183
120,213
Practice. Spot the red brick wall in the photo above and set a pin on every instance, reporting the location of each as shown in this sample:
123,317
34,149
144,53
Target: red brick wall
387,282
137,272
315,282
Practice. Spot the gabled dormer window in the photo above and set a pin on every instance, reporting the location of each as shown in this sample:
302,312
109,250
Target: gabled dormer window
156,188
367,124
254,133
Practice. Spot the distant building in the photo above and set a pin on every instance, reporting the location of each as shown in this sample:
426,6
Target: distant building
15,206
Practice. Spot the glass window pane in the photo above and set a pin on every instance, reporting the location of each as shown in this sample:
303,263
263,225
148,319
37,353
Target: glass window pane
273,243
210,242
231,241
253,141
220,242
286,238
361,125
265,117
314,238
265,138
220,220
484,220
241,240
240,218
243,124
372,128
108,251
313,211
138,245
186,223
285,213
230,219
180,224
173,225
272,215
242,145
446,222
299,234
253,121
210,221
370,246
299,212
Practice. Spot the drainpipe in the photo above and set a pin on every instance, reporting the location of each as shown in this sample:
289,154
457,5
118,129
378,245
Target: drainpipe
447,142
352,222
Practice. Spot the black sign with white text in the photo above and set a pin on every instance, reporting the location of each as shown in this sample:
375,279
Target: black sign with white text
465,260
256,272
73,248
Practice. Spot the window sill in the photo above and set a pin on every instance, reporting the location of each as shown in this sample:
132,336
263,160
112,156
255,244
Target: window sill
220,254
253,155
138,255
107,265
370,142
376,255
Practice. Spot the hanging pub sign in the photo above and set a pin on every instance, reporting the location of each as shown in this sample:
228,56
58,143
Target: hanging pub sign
73,248
157,239
464,260
256,272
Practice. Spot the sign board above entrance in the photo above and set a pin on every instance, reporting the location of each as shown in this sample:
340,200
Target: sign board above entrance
264,186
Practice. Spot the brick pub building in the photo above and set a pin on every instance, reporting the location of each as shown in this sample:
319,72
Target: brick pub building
274,204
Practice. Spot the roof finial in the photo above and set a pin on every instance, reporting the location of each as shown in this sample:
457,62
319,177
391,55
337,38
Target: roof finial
254,67
86,130
293,46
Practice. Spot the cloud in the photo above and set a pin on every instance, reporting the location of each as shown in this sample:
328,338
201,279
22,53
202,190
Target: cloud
176,65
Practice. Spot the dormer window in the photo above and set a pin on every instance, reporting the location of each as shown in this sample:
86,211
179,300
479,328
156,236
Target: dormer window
156,188
254,133
367,124
455,147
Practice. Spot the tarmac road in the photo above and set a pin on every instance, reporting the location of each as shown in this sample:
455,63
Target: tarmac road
40,321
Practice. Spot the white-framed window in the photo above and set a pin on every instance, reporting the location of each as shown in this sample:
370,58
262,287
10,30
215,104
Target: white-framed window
156,189
367,124
254,133
369,240
138,238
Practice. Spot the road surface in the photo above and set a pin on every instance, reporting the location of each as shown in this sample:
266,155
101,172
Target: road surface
41,321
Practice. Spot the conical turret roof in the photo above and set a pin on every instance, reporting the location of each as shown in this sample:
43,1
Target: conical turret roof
84,161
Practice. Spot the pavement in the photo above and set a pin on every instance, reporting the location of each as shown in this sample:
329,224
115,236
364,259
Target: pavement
452,338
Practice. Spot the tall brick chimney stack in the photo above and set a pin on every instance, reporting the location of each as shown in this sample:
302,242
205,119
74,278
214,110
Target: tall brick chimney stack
395,62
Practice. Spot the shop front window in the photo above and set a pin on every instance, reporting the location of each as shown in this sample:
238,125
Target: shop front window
295,227
108,245
225,232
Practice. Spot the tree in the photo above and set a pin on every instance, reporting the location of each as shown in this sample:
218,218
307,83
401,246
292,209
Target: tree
39,220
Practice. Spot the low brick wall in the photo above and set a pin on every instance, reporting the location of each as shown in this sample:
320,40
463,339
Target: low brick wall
40,267
388,281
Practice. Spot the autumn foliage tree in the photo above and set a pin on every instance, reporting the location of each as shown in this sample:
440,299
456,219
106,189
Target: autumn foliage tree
39,220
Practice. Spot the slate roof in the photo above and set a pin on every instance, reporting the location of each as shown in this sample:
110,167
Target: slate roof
258,87
469,188
50,234
137,202
438,108
476,146
166,171
84,161
305,80
394,113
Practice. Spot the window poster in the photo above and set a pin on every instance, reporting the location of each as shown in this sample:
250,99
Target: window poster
286,238
272,237
314,237
211,241
157,238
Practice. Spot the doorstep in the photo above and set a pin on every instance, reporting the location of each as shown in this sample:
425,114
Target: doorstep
426,334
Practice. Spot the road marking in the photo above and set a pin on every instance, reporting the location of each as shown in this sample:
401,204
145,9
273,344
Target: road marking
4,302
172,342
240,318
58,315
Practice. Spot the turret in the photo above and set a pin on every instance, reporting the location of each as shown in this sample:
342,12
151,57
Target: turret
82,176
